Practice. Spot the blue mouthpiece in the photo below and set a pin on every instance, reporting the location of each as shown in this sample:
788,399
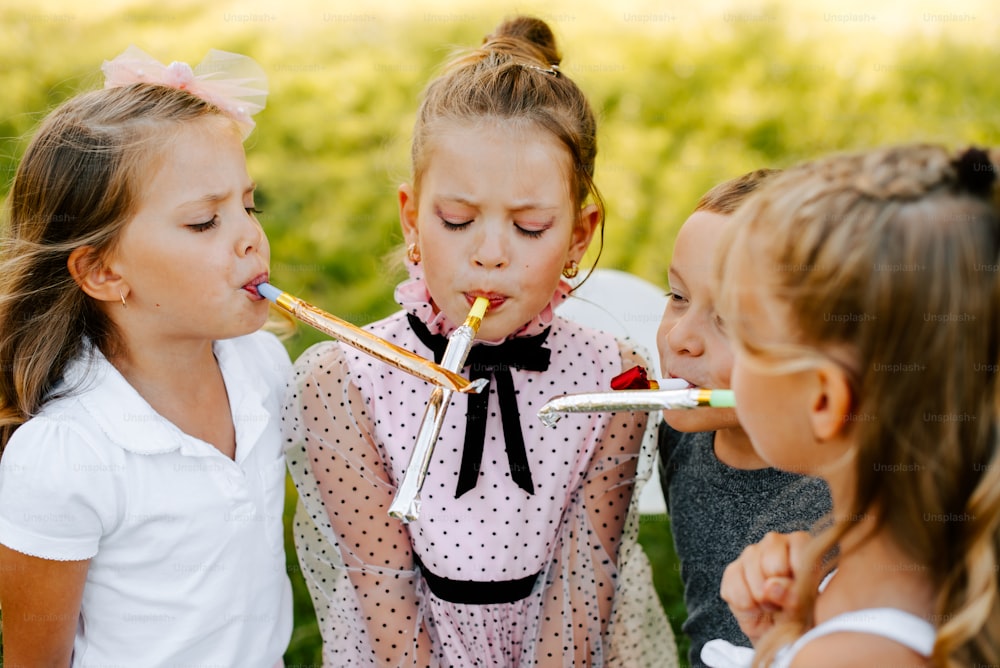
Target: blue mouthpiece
268,291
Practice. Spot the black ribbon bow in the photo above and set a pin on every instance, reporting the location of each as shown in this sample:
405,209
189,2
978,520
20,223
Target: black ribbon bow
525,352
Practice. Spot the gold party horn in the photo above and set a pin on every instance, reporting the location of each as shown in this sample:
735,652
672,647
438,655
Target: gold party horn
406,505
368,343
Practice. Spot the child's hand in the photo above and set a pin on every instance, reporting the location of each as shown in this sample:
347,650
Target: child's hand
758,585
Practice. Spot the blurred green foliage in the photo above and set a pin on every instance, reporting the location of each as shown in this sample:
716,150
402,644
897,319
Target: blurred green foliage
686,96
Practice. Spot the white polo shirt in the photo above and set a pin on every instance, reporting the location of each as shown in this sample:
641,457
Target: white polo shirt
187,561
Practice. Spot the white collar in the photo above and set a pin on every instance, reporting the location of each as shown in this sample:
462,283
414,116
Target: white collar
131,423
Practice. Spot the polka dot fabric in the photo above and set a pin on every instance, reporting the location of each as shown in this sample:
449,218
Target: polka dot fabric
351,422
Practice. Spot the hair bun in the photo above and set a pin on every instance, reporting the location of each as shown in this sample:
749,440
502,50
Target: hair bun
976,172
535,33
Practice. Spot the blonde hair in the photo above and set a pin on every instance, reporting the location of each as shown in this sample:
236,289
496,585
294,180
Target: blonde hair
892,256
725,197
514,76
77,185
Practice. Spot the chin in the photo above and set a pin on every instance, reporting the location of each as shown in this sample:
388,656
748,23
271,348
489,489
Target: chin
700,419
495,330
252,324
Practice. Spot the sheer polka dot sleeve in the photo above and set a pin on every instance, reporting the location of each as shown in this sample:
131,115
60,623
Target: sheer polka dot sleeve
357,560
641,634
606,577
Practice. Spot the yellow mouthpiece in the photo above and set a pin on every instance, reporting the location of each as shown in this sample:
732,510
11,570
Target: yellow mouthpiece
479,308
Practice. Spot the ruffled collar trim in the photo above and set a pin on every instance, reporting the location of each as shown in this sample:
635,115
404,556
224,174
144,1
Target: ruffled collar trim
413,296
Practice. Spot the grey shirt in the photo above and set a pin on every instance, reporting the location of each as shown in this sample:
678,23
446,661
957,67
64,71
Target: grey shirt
716,511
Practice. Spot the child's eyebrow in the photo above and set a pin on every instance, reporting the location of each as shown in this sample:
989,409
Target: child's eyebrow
455,199
516,207
211,198
208,198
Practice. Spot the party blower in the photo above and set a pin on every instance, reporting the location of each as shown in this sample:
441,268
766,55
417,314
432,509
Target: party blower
667,395
406,505
369,343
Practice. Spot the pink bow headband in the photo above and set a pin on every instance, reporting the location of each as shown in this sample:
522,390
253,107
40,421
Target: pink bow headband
234,83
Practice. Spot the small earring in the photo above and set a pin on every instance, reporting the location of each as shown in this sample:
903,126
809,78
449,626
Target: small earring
413,253
122,295
571,269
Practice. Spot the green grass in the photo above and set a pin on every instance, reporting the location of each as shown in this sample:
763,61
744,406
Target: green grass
305,647
658,543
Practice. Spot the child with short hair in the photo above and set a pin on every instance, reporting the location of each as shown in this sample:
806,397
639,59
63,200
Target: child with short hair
720,495
142,478
525,551
840,277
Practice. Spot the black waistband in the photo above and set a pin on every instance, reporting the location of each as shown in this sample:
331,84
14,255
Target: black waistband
472,592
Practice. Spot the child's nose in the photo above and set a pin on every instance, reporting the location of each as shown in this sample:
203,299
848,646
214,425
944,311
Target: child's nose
685,335
251,236
489,250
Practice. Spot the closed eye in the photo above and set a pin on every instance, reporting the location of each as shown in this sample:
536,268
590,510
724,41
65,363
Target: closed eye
533,228
454,225
206,226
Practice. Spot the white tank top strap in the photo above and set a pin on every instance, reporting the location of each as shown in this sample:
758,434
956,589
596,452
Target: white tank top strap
896,625
901,627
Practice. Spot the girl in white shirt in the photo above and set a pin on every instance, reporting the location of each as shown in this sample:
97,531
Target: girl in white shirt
142,477
862,295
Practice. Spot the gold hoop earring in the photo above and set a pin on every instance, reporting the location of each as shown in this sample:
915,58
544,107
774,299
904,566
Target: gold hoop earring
122,295
571,269
413,253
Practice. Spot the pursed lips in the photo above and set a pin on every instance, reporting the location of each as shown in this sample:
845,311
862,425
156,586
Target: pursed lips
251,285
690,384
495,298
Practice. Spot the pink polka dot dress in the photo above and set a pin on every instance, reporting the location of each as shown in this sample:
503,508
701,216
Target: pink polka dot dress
515,560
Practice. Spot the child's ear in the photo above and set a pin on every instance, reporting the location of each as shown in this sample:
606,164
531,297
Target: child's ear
408,212
583,231
831,402
95,277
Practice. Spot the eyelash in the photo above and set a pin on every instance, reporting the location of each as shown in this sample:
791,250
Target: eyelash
455,227
675,298
206,226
